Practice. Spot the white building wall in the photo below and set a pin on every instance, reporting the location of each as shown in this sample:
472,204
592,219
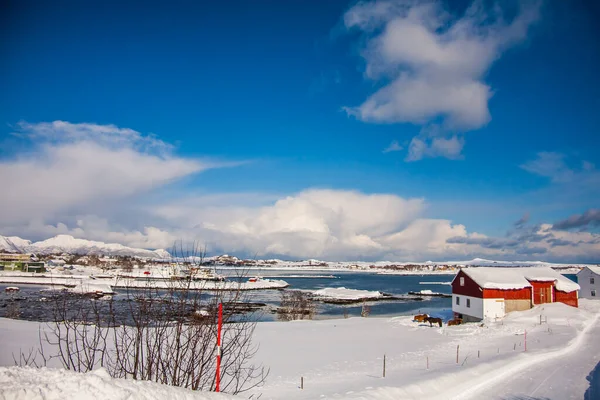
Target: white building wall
475,309
493,308
583,278
479,308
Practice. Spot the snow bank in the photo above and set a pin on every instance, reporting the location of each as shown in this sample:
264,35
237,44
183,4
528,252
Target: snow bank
202,285
45,383
93,288
342,293
82,283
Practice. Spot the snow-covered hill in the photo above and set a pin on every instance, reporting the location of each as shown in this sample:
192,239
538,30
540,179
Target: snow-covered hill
69,244
7,244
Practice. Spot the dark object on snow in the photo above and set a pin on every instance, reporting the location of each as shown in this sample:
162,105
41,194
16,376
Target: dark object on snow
434,321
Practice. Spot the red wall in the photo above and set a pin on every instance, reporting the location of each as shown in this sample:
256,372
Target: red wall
470,289
511,294
569,299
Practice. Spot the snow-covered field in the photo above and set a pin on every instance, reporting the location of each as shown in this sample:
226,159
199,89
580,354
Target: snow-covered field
343,359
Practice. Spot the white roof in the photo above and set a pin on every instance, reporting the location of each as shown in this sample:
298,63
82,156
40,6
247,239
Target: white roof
595,269
518,278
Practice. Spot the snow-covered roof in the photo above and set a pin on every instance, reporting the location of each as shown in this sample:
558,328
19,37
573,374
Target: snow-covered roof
594,269
518,278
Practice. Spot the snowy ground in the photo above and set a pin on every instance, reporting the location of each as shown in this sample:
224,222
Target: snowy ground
33,384
343,359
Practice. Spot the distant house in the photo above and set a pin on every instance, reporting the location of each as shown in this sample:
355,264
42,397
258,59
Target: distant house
34,267
491,292
589,280
56,262
14,257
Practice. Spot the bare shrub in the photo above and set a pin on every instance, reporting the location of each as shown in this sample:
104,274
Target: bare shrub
295,305
366,310
13,309
166,333
77,332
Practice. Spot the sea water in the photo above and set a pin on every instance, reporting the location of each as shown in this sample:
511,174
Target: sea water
31,306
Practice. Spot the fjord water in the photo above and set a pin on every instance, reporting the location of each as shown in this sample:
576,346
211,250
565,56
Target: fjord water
32,306
386,283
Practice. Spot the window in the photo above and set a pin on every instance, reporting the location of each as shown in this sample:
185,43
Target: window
469,303
457,301
591,281
593,294
462,281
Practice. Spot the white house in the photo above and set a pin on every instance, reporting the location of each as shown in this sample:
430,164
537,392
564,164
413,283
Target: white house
57,262
589,280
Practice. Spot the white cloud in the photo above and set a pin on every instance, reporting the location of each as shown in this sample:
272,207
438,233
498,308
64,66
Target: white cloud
326,224
550,165
87,184
92,227
433,64
76,165
106,135
394,146
554,166
450,148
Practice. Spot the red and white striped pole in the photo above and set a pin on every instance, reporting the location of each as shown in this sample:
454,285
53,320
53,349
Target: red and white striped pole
220,325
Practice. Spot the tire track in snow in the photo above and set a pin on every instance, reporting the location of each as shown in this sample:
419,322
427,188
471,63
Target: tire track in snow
497,376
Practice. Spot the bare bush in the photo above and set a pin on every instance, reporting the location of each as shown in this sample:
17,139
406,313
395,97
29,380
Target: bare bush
77,332
295,305
366,310
164,331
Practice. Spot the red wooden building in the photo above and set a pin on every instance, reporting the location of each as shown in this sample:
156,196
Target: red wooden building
491,292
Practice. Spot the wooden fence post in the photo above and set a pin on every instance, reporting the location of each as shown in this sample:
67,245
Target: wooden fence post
457,347
301,382
384,365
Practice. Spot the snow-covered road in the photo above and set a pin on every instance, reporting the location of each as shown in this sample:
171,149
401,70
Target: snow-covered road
562,378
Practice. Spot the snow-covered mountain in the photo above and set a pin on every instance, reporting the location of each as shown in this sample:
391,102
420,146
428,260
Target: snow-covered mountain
20,243
12,244
71,245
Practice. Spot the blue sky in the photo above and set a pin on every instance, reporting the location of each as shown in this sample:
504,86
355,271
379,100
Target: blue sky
273,98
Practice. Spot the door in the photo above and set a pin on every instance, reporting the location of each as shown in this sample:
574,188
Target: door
542,292
545,295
